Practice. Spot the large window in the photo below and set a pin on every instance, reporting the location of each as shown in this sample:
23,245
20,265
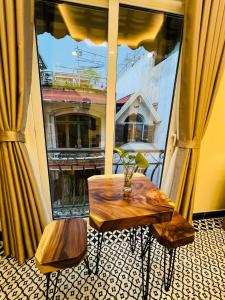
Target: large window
148,51
107,75
72,54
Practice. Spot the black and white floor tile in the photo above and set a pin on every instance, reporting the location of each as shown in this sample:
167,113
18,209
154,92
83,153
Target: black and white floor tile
199,271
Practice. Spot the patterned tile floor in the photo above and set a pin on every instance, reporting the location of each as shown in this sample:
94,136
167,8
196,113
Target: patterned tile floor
199,271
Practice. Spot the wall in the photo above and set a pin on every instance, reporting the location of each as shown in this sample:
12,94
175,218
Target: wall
132,79
156,83
167,74
210,190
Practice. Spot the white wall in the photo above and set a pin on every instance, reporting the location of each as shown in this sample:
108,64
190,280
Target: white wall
157,85
166,72
132,80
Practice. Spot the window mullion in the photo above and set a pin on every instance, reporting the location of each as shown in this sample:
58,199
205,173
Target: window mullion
113,17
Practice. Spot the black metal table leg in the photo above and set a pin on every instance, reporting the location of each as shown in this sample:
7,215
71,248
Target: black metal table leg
56,281
148,240
146,249
133,239
142,263
48,275
99,247
86,261
168,278
148,270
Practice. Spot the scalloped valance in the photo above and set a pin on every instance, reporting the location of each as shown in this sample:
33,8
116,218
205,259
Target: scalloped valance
136,27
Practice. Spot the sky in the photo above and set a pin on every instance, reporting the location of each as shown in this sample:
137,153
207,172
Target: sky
59,54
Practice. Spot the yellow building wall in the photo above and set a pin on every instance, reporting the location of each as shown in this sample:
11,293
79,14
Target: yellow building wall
210,189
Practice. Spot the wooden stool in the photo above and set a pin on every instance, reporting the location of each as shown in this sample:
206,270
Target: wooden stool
176,233
62,245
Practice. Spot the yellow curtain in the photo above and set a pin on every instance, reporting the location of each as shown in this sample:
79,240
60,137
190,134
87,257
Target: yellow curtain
203,60
21,214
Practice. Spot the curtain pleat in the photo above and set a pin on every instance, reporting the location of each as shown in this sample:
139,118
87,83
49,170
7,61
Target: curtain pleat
201,68
21,213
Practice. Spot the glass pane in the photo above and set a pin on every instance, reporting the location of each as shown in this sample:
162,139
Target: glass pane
148,52
61,119
61,135
138,132
84,135
71,118
73,136
72,53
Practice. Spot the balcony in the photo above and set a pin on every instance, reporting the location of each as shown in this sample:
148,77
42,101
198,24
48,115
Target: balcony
69,170
72,81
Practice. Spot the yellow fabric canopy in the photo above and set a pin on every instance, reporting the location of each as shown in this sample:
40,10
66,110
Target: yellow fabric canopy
136,27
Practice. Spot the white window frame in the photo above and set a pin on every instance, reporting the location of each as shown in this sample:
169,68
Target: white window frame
35,126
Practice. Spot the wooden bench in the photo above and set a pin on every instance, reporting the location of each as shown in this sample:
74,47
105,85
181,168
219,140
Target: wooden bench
176,233
62,245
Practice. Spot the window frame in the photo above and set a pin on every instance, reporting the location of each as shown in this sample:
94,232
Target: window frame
35,105
133,125
78,122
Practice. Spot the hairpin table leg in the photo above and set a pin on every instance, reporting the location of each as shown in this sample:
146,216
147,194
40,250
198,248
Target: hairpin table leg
56,281
133,239
146,249
99,247
48,275
168,277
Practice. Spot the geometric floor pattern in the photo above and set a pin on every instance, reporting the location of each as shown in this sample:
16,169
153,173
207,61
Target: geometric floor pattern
199,271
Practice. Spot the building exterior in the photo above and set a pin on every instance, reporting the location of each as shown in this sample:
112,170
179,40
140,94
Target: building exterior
74,107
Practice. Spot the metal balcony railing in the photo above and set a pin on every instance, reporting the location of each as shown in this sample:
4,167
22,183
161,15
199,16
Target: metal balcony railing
69,170
68,173
155,159
76,79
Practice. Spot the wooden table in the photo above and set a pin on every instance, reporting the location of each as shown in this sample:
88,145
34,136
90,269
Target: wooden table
111,209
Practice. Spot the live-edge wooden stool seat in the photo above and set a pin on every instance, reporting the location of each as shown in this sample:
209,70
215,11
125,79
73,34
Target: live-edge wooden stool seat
176,233
173,234
62,245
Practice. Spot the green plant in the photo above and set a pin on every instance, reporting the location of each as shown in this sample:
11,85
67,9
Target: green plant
136,160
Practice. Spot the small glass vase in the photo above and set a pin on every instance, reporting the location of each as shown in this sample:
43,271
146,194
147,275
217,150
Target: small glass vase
128,173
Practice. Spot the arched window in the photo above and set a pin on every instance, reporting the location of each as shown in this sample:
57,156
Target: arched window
133,128
135,118
77,131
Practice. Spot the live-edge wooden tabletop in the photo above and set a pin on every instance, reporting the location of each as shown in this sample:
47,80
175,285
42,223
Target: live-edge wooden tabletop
111,209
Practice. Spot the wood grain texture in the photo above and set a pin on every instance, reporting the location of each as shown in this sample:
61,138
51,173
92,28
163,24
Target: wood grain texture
63,243
111,209
48,268
178,232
